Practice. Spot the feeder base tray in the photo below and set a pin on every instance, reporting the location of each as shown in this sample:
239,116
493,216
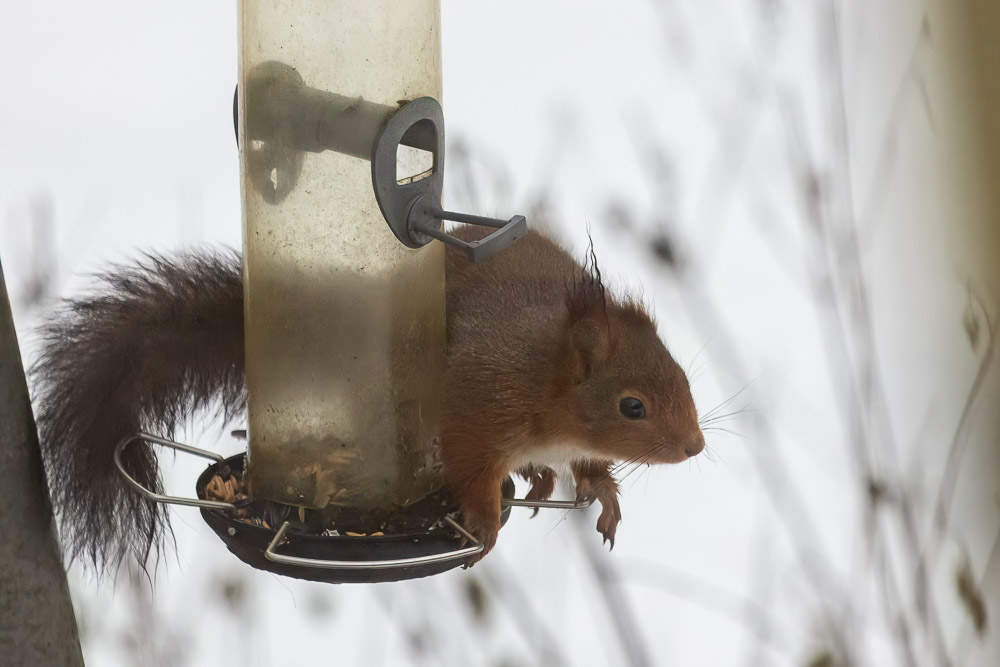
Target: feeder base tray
250,543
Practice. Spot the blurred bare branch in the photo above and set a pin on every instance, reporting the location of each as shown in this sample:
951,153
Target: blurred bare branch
608,583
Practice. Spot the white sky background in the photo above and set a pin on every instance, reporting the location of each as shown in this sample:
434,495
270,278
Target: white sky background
650,118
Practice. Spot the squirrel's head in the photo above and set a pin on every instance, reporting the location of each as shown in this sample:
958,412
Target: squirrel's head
630,399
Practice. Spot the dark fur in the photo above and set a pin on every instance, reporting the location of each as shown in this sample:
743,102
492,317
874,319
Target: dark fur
153,343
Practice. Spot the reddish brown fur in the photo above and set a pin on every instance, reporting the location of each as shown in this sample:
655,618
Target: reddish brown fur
538,357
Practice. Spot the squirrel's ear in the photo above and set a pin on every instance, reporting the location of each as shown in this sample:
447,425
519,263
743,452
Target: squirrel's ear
587,343
587,311
587,324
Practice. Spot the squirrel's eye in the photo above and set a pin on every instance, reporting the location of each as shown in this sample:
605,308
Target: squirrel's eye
632,408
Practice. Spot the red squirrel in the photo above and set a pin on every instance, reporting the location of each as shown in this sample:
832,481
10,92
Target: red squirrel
544,366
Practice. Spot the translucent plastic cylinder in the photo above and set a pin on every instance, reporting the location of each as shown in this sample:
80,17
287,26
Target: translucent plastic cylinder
345,336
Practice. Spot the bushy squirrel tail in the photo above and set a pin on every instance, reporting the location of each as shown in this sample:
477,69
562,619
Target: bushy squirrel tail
154,342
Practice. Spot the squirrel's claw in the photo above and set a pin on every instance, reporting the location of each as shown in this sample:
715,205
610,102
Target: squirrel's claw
611,516
597,482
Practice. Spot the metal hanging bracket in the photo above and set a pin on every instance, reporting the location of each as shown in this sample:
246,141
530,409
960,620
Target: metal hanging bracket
290,118
412,206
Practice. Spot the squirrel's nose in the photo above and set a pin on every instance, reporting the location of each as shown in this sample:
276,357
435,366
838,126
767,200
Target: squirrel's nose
696,446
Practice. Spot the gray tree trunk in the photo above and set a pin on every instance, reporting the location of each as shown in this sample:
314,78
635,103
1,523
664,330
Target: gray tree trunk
37,626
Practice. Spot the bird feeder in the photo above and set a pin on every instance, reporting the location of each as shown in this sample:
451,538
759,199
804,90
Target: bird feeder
342,161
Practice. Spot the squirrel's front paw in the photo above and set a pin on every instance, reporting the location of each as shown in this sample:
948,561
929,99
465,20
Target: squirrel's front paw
484,529
543,484
594,480
611,516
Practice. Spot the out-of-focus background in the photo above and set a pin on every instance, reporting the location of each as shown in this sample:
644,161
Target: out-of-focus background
802,191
